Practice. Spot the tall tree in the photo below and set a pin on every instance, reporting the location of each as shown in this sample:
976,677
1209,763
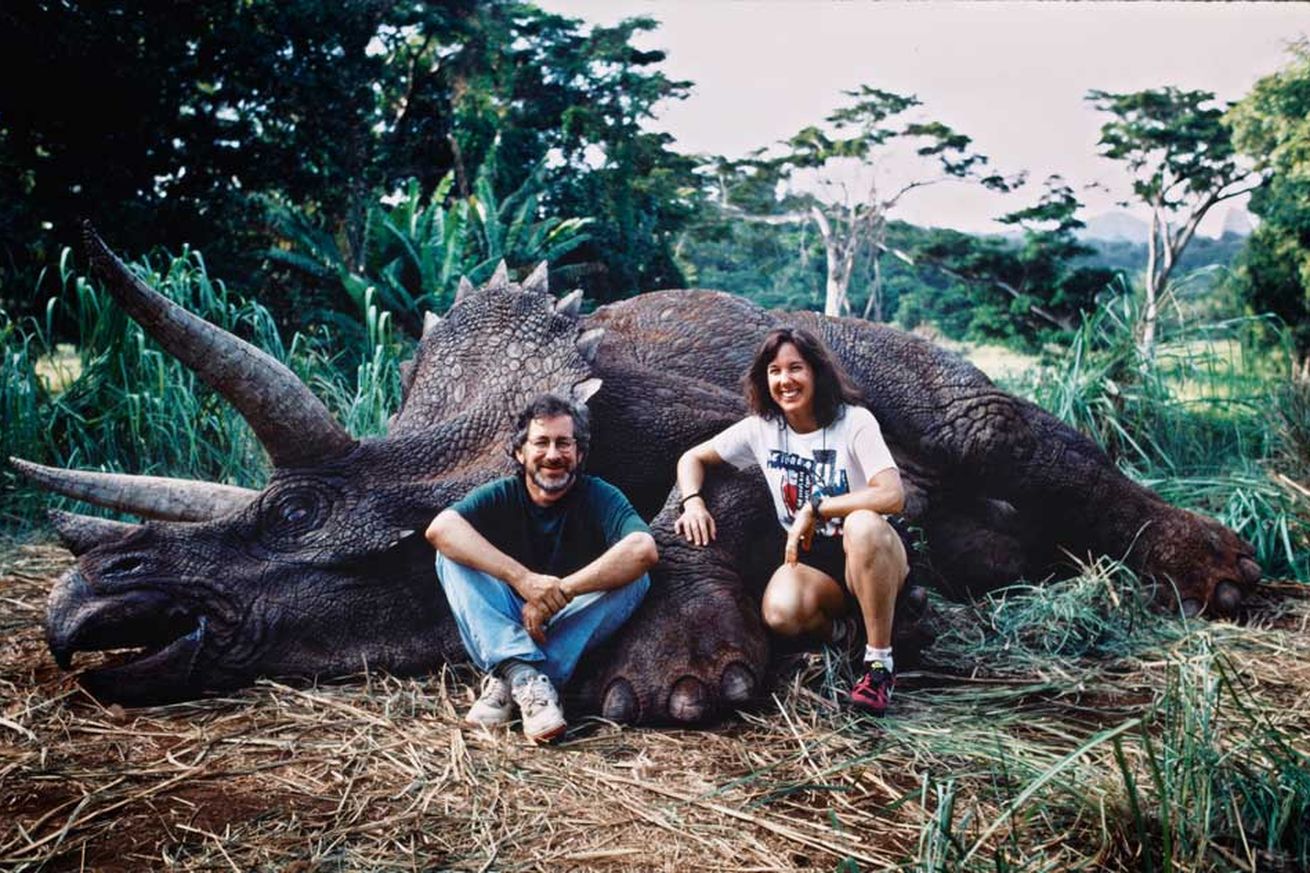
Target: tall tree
1271,125
1181,157
839,177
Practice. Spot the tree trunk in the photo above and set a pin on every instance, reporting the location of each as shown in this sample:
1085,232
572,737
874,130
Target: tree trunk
834,296
874,304
1150,283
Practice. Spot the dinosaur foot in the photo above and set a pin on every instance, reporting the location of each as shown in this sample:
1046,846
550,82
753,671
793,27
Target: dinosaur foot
1197,565
686,658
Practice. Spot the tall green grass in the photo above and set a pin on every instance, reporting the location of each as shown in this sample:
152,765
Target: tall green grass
134,409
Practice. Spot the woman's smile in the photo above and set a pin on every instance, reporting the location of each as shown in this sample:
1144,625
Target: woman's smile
791,385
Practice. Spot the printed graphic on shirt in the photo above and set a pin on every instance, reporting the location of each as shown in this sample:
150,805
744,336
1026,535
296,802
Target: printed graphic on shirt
801,475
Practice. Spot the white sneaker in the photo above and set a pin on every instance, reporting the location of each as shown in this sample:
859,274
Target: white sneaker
494,708
543,718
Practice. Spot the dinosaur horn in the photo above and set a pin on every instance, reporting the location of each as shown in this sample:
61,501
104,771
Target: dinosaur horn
147,496
82,533
292,424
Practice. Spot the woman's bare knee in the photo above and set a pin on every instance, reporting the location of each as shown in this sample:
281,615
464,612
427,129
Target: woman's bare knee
794,605
865,533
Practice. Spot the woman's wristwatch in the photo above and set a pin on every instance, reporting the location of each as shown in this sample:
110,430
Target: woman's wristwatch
816,497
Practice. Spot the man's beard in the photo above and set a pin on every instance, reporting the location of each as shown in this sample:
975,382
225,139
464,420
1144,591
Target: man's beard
555,486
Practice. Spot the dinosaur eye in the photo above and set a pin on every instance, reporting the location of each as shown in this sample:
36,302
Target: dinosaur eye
296,511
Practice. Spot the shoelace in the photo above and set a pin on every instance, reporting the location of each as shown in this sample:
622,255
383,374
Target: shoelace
495,691
537,694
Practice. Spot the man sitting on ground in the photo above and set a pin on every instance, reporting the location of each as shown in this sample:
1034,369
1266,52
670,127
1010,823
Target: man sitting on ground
540,567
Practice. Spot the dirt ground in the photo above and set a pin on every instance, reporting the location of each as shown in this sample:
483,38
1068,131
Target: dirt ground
376,773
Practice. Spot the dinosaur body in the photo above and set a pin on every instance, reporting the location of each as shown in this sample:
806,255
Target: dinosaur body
322,572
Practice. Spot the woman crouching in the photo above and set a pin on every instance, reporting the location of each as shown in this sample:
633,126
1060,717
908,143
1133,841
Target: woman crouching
833,481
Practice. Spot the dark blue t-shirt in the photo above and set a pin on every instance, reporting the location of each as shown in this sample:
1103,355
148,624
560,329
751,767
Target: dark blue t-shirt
557,539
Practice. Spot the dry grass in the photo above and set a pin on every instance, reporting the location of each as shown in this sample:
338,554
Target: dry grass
377,774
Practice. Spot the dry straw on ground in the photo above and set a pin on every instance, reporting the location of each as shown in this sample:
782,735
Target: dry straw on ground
982,759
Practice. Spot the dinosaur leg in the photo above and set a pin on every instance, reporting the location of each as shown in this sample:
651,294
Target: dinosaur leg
1195,562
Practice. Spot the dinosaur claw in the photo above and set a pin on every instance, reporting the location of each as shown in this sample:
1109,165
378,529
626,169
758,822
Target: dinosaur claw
1251,572
1227,598
1191,607
620,703
688,701
738,683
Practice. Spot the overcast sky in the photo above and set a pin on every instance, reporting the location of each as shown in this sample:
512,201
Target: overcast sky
1011,75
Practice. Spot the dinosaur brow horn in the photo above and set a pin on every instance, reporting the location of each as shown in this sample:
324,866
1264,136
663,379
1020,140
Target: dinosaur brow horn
82,533
147,496
292,424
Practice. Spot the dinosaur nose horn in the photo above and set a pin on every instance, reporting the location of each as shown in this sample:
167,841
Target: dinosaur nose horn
293,425
82,533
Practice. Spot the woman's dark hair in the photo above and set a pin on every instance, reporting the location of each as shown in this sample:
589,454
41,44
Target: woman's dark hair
552,406
832,387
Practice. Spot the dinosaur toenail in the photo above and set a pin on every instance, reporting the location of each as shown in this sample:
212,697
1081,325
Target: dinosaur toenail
1251,571
1191,607
620,703
688,701
738,683
1227,598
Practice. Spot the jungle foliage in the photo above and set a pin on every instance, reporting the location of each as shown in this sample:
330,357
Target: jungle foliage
178,130
1272,126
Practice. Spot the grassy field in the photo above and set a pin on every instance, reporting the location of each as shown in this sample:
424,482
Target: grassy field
1051,727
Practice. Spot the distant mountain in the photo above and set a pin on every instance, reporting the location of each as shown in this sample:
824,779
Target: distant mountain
1125,227
1114,226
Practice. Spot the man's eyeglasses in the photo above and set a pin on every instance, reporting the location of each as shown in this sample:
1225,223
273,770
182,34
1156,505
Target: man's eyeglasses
562,444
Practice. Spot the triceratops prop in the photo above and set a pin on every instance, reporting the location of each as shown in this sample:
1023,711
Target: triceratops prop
325,571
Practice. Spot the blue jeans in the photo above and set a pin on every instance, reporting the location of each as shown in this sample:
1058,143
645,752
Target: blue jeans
489,615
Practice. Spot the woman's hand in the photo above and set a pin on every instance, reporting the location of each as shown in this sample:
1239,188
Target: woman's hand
800,535
695,523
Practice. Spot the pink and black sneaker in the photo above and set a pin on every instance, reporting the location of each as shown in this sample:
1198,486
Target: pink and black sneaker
873,693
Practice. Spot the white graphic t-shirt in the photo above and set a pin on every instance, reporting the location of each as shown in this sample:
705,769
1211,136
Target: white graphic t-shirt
838,458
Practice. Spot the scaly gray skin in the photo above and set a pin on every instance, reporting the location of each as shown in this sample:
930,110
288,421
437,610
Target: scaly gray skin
325,572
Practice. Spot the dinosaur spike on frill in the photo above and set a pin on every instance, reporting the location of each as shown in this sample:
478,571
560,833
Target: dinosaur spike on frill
464,291
570,305
584,390
538,281
589,342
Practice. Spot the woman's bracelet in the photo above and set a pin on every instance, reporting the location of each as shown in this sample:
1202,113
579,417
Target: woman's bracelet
682,504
